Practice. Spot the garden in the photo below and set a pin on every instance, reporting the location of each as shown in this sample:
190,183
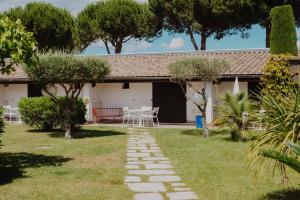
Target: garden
55,155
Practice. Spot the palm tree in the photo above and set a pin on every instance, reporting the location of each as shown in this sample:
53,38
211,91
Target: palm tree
281,119
283,158
236,112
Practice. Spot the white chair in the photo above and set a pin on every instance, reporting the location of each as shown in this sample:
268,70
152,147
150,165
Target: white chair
11,113
127,116
150,116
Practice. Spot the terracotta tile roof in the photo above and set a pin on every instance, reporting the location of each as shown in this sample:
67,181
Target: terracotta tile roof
155,65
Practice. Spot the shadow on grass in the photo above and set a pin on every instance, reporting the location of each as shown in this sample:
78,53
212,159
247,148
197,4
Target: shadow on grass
198,132
291,194
13,165
82,133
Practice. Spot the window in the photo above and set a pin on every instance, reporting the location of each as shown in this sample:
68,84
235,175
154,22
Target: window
125,86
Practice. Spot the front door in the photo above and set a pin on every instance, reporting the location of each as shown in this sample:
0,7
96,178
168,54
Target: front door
171,101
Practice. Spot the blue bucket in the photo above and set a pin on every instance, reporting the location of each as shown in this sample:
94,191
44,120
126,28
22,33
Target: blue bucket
199,123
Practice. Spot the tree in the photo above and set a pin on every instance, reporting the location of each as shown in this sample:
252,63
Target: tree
88,27
177,16
231,113
16,45
281,120
185,71
262,10
52,27
283,35
116,22
71,73
202,17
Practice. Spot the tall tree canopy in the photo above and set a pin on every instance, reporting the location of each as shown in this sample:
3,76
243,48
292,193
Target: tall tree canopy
116,22
16,45
52,27
262,12
203,17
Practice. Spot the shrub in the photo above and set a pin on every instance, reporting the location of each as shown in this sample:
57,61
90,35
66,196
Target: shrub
39,112
44,114
283,36
277,75
230,114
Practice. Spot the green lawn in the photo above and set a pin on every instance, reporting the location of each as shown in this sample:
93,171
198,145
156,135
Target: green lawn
90,167
216,167
45,166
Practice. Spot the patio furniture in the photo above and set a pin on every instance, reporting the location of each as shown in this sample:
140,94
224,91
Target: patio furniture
150,116
11,114
104,113
127,116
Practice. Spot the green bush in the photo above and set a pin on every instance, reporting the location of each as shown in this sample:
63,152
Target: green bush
39,112
44,114
283,36
277,75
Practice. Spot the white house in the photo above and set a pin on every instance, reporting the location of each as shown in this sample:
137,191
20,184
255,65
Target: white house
143,80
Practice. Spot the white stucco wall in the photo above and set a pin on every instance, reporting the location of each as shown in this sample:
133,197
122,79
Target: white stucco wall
11,94
112,95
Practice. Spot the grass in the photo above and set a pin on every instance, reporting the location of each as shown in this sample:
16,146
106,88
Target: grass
216,168
37,165
45,166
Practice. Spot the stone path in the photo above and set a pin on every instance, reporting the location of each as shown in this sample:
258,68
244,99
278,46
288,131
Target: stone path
150,173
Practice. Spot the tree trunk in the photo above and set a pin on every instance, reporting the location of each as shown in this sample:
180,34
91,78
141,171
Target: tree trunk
118,47
193,38
268,34
106,46
205,126
68,129
203,40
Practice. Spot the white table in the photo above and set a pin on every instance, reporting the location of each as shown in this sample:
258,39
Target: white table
137,113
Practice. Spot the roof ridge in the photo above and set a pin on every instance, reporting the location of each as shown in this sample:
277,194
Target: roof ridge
188,52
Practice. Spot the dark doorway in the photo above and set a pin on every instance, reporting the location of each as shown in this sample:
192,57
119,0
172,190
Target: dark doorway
34,91
254,89
171,101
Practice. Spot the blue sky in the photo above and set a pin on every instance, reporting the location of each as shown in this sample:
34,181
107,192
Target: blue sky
166,43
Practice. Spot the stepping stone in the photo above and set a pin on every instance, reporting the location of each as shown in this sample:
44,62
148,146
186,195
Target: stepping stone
164,178
139,162
150,151
132,167
148,196
154,148
131,151
132,179
164,162
158,166
155,158
151,172
147,187
132,159
138,155
182,196
181,189
178,184
137,148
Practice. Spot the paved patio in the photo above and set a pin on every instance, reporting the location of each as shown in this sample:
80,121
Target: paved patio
162,125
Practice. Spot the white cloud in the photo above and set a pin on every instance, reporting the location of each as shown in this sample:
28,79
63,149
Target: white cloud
298,44
175,43
134,46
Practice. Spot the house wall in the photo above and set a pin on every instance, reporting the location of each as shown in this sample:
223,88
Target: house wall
11,94
112,95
